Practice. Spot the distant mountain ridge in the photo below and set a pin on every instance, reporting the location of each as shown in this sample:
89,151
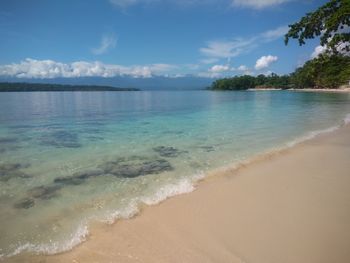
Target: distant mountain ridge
25,87
188,82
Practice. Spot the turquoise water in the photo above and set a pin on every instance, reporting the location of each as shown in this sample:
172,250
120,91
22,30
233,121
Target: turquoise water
67,159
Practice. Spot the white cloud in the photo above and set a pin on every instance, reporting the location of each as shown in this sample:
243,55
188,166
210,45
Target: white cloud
209,60
322,49
219,68
242,68
227,49
31,68
208,74
219,49
258,4
192,66
274,34
265,62
318,51
107,42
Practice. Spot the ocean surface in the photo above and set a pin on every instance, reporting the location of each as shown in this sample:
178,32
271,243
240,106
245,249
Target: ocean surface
71,158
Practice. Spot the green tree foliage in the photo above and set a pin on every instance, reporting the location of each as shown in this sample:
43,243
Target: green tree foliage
250,82
326,71
235,83
323,72
330,22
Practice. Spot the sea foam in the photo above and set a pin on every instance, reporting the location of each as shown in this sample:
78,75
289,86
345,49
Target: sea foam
183,186
52,247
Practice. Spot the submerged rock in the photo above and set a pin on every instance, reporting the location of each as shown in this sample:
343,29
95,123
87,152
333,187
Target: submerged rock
126,167
10,170
6,148
166,151
135,169
79,178
68,180
44,192
7,140
24,203
61,139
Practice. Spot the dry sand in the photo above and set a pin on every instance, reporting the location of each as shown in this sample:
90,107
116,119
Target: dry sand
293,206
343,89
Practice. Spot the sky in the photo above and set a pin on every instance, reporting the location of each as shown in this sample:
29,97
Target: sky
144,38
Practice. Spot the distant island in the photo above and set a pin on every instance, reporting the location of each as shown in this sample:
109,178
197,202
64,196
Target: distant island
30,87
324,72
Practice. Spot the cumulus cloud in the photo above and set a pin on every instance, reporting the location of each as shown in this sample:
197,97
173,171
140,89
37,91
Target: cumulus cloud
107,42
219,49
242,68
318,51
219,68
322,49
265,62
258,4
31,68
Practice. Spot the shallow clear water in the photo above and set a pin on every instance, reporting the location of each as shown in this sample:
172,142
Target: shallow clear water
67,159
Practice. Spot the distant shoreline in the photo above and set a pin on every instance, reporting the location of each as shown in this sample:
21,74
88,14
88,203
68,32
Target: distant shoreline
39,87
341,89
345,89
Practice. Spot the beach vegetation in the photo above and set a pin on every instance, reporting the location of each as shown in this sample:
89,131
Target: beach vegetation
330,69
330,22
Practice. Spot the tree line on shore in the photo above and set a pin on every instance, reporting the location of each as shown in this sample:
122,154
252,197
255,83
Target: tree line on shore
331,24
325,71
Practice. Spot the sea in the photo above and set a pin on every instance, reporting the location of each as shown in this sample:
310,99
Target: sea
69,159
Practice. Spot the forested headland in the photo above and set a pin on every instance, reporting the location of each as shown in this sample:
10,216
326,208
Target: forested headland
325,71
331,69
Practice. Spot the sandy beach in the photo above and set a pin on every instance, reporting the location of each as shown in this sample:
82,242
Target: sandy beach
343,89
291,206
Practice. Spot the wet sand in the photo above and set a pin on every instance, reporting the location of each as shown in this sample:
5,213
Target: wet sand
292,206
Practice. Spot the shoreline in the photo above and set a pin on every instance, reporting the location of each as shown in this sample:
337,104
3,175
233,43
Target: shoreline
341,90
99,237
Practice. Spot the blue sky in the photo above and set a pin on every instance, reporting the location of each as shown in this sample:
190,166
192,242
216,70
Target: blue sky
141,38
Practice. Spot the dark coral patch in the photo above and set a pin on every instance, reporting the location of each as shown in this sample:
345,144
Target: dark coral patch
11,170
44,192
61,139
125,167
166,151
24,203
78,178
7,140
133,169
